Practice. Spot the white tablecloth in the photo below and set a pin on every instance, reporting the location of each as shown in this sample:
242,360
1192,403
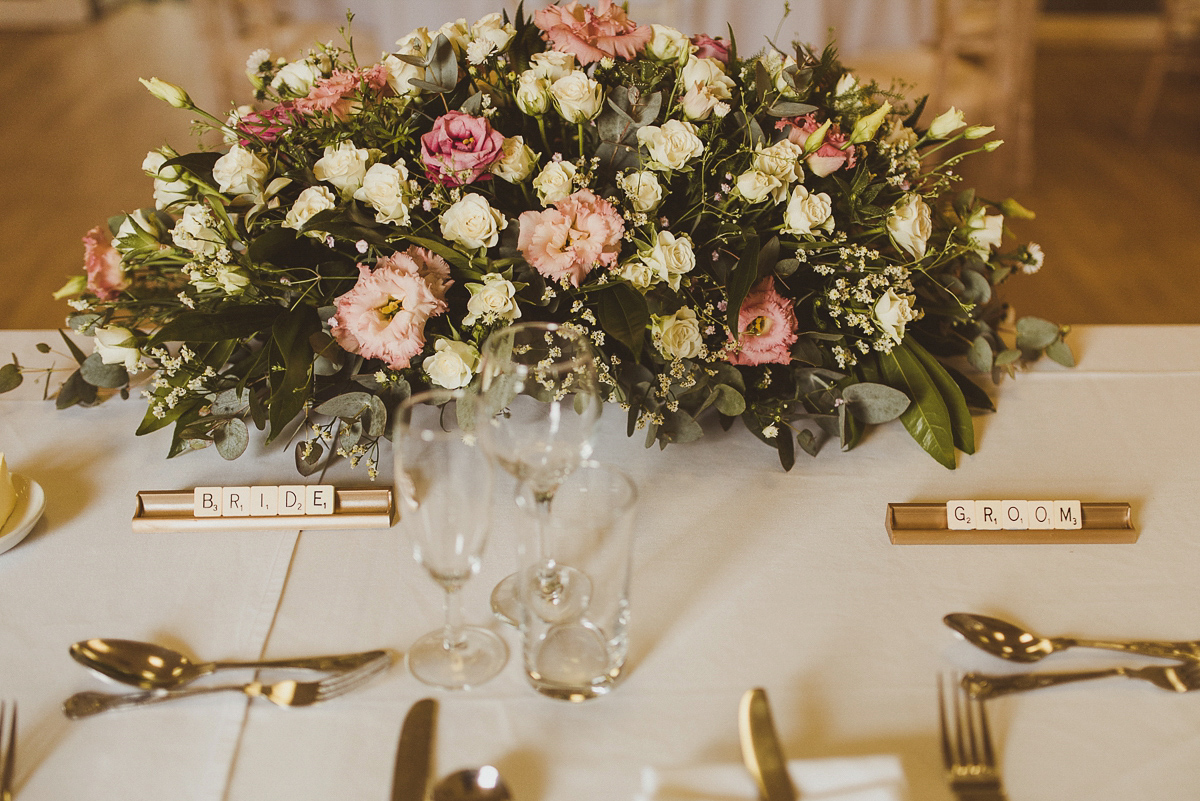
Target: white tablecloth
745,576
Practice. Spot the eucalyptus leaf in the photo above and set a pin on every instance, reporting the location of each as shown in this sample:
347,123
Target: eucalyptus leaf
789,109
785,267
1060,351
808,442
980,355
231,438
307,465
349,435
83,323
230,402
106,376
978,288
678,427
10,377
1034,333
348,406
1007,357
42,347
726,373
875,403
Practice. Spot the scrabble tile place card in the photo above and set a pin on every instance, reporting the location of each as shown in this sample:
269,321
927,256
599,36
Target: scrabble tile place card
1009,522
299,506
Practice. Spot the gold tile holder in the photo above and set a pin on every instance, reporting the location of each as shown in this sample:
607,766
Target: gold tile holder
163,511
925,524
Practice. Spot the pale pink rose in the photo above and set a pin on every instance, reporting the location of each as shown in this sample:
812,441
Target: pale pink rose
460,149
708,47
767,324
589,33
102,263
383,316
829,157
579,233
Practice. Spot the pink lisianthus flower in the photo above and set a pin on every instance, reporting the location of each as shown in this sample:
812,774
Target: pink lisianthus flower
102,263
266,125
767,326
589,33
383,316
460,149
708,47
579,233
829,157
432,268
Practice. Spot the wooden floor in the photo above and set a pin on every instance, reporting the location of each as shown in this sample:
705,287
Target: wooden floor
1119,219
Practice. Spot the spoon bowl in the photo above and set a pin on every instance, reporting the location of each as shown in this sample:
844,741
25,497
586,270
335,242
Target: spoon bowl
1001,638
473,784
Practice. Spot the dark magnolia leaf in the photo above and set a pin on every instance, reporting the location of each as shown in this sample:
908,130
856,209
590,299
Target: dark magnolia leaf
231,438
78,354
975,396
285,248
741,279
787,109
230,323
198,164
768,255
289,366
349,405
787,451
623,314
927,419
10,377
1060,351
1007,357
1034,333
106,376
258,411
850,429
960,415
980,355
308,457
875,403
230,402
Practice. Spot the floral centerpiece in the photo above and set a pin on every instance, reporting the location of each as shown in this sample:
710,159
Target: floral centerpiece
759,235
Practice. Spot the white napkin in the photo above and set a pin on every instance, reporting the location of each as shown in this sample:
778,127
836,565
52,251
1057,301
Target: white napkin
8,494
869,778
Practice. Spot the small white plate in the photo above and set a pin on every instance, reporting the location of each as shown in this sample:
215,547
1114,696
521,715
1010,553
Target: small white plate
31,502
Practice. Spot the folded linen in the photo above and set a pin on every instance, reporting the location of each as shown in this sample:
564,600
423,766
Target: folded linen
869,778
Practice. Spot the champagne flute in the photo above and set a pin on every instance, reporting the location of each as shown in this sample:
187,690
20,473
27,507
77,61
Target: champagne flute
538,405
444,484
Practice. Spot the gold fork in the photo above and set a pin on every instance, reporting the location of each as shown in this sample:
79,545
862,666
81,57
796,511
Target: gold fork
967,747
282,693
8,750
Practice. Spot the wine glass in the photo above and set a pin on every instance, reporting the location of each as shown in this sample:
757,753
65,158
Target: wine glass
538,405
444,485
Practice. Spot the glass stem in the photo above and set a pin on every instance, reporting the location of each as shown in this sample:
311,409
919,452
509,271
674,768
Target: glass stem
548,580
452,633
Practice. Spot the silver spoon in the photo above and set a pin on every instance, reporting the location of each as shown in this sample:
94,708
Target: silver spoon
1016,644
154,667
473,784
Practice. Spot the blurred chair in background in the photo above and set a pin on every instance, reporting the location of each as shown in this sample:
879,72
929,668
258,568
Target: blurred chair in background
1177,49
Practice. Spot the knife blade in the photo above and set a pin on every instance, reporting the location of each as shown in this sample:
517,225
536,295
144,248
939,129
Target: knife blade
761,752
414,754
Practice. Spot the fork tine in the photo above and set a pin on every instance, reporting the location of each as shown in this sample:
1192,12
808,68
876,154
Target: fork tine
345,682
9,757
947,760
989,758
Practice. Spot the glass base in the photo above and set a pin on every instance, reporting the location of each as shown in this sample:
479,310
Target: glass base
573,663
479,656
558,595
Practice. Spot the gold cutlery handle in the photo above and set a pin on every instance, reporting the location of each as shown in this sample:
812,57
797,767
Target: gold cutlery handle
1160,649
86,704
339,662
983,686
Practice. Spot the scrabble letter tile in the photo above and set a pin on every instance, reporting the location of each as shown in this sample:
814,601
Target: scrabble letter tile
960,515
319,500
264,501
1014,515
1067,514
235,502
987,514
1041,514
206,502
291,499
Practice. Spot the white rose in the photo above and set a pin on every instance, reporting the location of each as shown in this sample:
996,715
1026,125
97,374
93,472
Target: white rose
756,186
911,224
946,123
384,189
344,166
554,182
698,103
778,65
577,97
401,74
807,212
494,299
984,232
552,64
311,200
240,172
169,186
116,346
900,137
671,257
668,44
452,364
416,42
142,229
457,32
643,189
533,92
707,72
195,231
782,160
892,311
296,78
672,145
641,275
517,162
489,35
677,336
472,223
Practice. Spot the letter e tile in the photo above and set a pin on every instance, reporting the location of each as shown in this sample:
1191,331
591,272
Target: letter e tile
319,500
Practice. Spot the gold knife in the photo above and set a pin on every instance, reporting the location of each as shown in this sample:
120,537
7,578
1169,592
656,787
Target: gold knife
410,777
760,748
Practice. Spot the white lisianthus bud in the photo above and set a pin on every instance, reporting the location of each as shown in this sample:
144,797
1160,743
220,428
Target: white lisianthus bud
847,83
240,172
493,300
344,166
452,364
554,182
817,138
756,186
169,186
472,223
117,345
533,92
807,212
517,162
643,189
384,188
311,200
978,131
911,224
677,336
946,123
167,92
892,311
668,44
992,145
865,128
577,97
672,145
